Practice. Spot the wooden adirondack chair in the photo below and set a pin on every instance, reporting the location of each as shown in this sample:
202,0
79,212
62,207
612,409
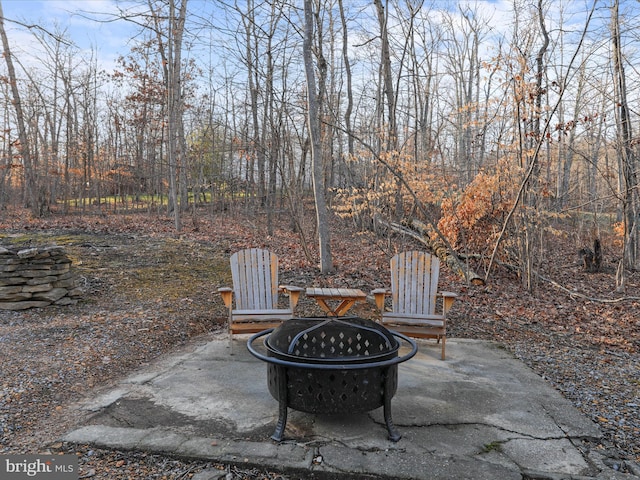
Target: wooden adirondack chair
414,291
255,287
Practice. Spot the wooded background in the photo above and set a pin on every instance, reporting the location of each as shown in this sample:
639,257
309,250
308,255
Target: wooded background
490,128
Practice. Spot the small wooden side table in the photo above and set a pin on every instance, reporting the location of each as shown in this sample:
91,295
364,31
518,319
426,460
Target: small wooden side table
346,296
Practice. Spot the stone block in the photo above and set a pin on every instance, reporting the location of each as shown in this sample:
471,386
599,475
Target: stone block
76,292
35,273
66,283
10,274
65,276
9,260
34,266
17,280
52,295
27,253
23,305
13,293
43,261
41,280
59,268
43,287
11,289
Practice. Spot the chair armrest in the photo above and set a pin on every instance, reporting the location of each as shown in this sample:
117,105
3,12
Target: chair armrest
290,288
227,295
294,294
378,295
447,300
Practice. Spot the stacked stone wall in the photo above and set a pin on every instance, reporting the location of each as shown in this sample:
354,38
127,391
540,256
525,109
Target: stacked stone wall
36,277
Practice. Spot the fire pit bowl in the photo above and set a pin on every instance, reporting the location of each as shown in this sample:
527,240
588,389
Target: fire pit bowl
332,365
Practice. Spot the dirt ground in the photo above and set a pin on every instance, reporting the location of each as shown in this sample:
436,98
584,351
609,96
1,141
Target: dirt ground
149,291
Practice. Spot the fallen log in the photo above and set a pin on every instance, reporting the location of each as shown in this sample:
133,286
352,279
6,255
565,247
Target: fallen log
419,231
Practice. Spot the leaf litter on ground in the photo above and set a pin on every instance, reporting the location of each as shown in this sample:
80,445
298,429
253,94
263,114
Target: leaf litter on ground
150,290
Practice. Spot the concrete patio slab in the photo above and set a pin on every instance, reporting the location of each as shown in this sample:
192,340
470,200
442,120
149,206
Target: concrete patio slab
481,414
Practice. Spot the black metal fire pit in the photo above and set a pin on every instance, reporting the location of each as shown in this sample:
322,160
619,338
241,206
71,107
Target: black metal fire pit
332,365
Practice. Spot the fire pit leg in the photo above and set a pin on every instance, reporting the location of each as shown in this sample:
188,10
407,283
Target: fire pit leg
394,435
278,434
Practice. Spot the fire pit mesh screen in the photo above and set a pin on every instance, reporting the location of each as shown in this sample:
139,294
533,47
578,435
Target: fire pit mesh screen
338,391
332,338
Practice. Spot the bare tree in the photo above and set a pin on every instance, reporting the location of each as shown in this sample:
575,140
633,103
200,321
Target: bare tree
630,197
348,76
32,197
313,118
529,238
466,29
171,53
387,75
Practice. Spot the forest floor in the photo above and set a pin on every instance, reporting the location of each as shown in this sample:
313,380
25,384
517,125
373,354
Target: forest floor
150,290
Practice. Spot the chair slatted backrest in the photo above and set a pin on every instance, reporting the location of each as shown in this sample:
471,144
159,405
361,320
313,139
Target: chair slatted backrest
414,283
255,279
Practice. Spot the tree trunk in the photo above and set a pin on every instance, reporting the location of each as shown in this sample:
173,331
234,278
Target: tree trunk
387,76
322,214
172,64
347,72
629,179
